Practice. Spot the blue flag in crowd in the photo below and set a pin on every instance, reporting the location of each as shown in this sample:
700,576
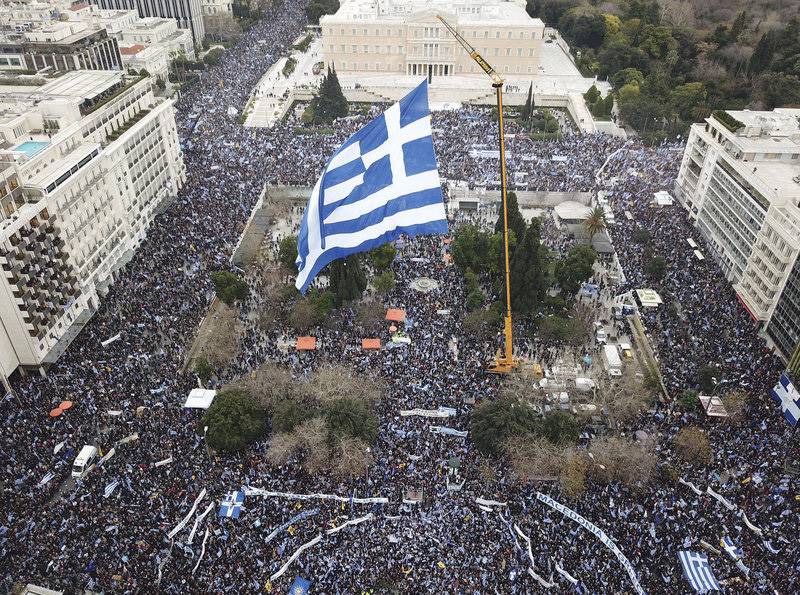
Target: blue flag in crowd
231,506
382,182
698,572
300,586
786,394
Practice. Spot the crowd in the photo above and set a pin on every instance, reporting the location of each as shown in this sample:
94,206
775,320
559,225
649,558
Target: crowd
68,535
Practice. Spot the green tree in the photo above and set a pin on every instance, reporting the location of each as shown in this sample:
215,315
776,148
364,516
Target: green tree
351,418
516,222
385,282
618,56
657,42
529,267
688,400
655,267
585,26
762,55
493,423
318,8
287,414
550,11
347,279
595,222
229,287
475,300
777,89
330,102
203,369
471,249
575,268
382,257
234,420
592,95
287,252
627,76
482,324
559,428
527,109
470,280
707,378
685,98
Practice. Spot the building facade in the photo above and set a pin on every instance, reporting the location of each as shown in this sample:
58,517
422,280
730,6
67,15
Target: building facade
389,37
740,182
60,46
85,162
188,13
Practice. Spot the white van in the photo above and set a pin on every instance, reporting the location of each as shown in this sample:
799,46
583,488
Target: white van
83,461
612,361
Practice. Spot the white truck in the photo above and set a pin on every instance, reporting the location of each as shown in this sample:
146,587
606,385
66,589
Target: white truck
612,360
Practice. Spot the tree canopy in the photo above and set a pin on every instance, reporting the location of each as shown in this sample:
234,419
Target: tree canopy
329,103
347,279
229,287
234,420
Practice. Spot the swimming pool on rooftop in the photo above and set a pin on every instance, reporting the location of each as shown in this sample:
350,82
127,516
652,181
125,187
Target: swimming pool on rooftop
31,147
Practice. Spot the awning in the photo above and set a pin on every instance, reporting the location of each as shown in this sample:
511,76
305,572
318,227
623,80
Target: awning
370,343
306,343
200,398
395,315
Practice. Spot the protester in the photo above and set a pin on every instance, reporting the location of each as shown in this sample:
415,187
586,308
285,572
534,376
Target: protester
74,538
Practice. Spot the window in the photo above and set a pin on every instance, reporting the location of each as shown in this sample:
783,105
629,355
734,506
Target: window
530,52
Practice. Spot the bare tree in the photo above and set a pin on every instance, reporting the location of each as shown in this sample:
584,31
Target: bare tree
269,383
282,447
351,457
677,13
312,437
303,315
735,403
369,313
708,70
522,385
692,445
625,396
219,336
535,458
573,474
616,459
337,382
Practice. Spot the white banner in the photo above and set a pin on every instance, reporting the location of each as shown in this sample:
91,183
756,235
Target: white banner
440,412
250,491
691,485
197,522
294,557
545,584
720,498
448,431
202,552
598,532
350,523
566,574
482,502
110,340
182,524
750,525
166,461
131,438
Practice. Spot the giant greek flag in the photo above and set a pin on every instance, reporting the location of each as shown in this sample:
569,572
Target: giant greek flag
382,182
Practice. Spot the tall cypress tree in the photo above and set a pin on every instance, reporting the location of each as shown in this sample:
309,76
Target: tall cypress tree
330,103
762,54
529,272
347,279
528,109
515,219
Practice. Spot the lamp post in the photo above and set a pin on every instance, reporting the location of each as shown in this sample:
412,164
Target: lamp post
205,439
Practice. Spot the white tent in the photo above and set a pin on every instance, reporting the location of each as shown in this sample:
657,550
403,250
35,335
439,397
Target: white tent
199,398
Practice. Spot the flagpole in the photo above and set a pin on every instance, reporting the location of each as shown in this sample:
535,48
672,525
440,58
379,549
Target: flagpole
505,363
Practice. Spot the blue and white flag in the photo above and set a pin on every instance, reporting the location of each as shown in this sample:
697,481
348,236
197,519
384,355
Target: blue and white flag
381,183
300,586
698,572
231,506
786,394
736,554
110,488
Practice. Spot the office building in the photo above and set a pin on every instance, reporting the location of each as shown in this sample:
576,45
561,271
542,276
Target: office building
85,162
740,182
188,13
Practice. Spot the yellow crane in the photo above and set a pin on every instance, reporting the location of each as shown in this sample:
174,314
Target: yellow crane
505,362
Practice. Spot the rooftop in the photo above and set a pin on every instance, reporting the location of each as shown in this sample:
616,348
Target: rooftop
490,12
776,131
81,84
131,49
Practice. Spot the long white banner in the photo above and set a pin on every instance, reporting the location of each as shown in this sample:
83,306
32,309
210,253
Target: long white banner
294,557
598,532
350,523
182,524
250,491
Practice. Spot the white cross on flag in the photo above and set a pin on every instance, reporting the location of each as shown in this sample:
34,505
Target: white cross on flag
786,394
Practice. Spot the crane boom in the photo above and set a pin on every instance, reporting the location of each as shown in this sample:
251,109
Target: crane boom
505,362
473,53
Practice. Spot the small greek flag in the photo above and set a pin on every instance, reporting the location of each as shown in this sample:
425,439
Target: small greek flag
231,506
300,586
698,572
110,488
786,394
381,183
733,550
46,479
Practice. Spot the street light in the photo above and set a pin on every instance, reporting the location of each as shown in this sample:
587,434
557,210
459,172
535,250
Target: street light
205,439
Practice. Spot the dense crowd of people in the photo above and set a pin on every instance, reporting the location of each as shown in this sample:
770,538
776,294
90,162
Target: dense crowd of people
69,535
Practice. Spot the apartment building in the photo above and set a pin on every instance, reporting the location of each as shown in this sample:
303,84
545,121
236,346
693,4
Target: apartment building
59,46
390,37
85,162
740,182
187,13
